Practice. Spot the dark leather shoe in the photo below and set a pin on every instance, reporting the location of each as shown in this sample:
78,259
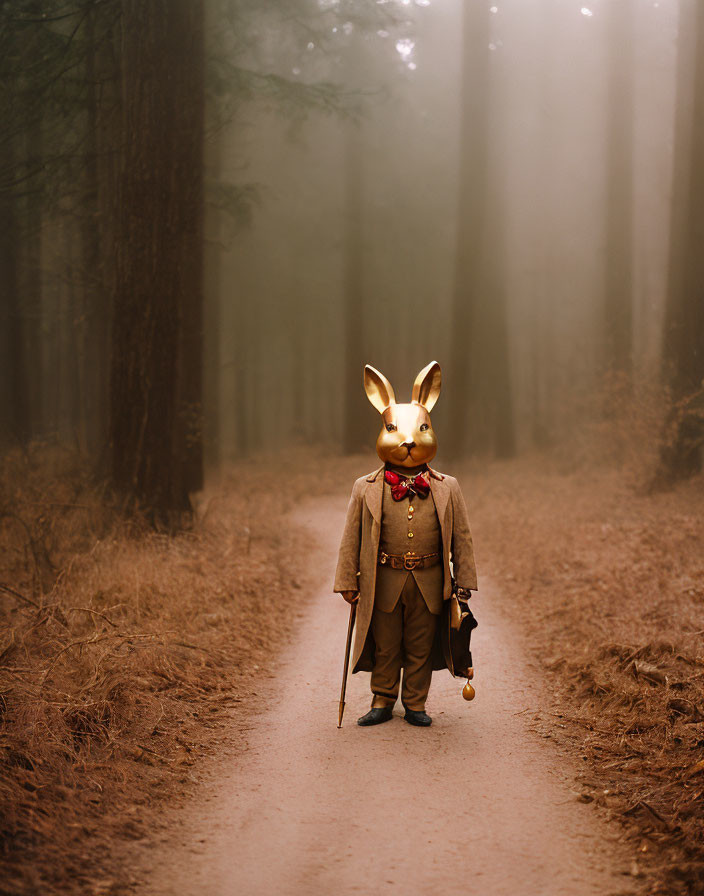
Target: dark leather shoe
418,717
376,716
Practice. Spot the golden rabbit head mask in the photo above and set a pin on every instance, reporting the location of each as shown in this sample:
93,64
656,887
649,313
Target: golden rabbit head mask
407,438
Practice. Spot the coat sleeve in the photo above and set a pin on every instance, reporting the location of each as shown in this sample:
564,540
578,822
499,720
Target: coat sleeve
462,549
348,559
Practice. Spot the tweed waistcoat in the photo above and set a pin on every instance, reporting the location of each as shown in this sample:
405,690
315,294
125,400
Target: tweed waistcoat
426,538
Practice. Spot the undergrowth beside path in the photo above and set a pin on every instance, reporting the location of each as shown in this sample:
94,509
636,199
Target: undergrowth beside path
127,657
606,584
124,656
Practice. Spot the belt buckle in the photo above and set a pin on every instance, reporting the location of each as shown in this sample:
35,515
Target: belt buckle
410,560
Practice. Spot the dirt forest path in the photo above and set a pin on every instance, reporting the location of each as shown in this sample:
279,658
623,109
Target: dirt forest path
476,804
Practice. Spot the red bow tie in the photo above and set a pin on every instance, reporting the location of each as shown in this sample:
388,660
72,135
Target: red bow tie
402,486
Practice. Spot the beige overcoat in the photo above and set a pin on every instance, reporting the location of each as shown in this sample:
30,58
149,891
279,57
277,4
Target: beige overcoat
357,562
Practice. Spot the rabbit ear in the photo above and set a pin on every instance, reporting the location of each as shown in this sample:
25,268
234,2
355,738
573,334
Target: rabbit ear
379,390
427,386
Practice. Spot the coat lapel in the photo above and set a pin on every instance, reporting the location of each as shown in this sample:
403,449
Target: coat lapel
374,493
441,495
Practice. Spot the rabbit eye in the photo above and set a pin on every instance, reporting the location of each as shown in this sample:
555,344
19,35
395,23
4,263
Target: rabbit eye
390,427
423,427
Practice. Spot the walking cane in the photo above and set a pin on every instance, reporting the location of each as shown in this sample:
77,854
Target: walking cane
353,612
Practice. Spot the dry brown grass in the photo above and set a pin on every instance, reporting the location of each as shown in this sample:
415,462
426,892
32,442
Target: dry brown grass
618,424
124,654
607,585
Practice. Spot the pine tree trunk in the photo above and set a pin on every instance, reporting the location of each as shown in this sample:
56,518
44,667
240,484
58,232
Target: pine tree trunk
155,386
618,291
683,349
356,419
481,412
682,442
100,209
15,400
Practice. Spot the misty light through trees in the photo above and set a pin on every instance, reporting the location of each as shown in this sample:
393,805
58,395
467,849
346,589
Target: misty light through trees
509,188
542,76
213,215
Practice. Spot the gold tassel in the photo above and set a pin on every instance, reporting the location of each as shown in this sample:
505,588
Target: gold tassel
468,691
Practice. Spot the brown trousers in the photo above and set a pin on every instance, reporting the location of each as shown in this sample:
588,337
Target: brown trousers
403,637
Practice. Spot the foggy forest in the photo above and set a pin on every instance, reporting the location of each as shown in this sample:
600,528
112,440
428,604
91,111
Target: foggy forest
214,213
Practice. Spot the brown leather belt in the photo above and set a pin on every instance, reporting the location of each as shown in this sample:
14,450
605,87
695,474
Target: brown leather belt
409,560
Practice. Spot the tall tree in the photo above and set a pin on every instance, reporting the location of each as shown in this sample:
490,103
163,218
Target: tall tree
14,402
683,348
480,400
31,68
47,74
155,387
98,213
683,337
355,417
618,286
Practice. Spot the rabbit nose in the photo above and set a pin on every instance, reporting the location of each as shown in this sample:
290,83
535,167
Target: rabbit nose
408,444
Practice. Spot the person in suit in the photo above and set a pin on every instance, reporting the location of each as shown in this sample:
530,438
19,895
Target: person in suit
406,533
